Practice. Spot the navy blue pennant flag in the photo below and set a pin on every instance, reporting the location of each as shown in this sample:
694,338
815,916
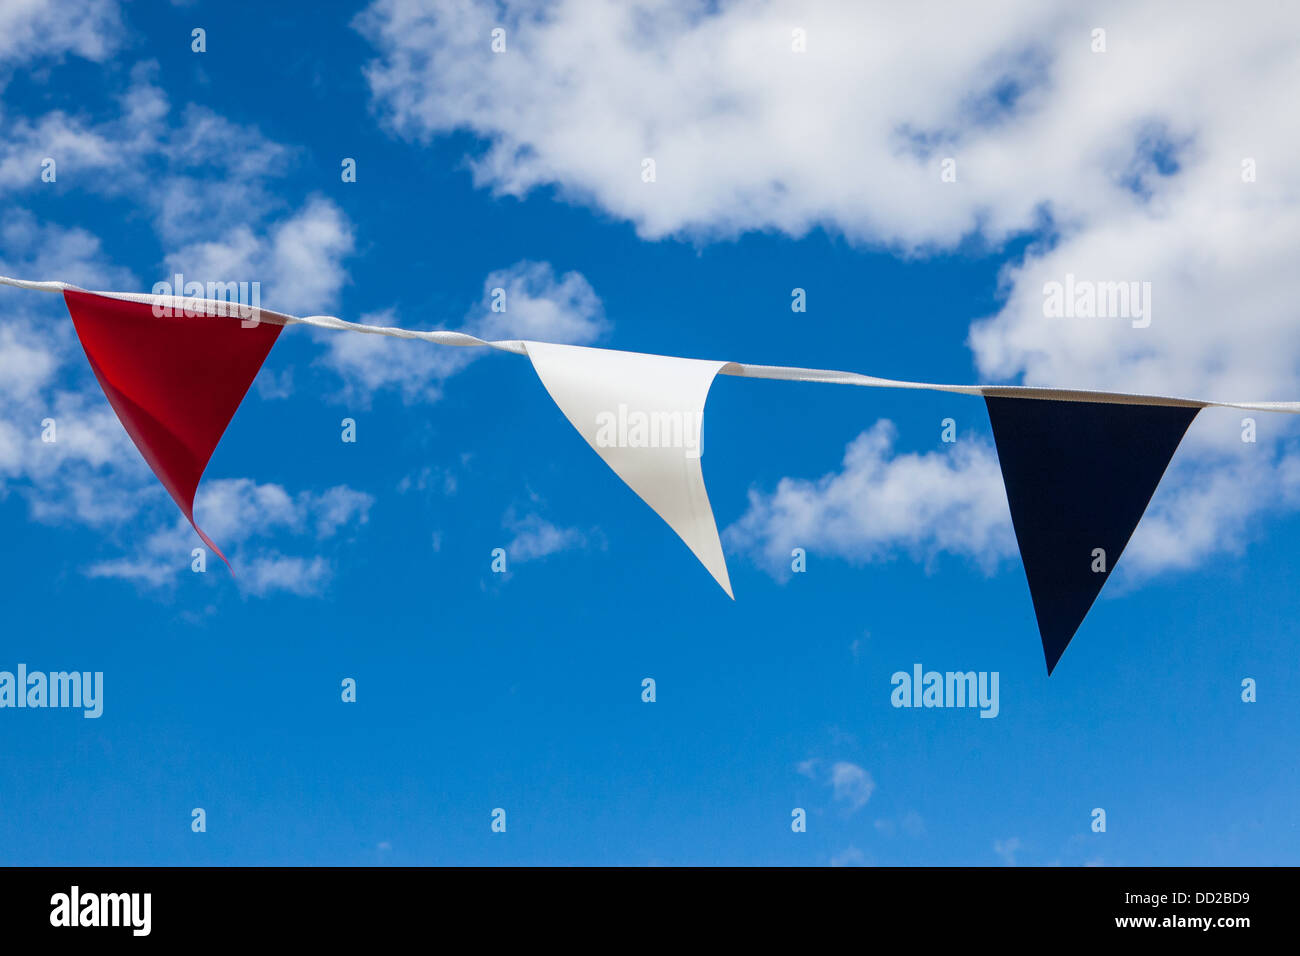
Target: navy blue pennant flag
1078,476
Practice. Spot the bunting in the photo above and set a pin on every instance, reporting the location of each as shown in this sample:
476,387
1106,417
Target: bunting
1079,467
174,379
1078,476
644,415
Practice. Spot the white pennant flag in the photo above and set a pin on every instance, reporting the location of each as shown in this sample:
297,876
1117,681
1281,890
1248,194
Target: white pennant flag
643,414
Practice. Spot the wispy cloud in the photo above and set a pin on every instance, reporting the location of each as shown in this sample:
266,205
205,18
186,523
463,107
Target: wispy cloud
850,856
190,169
535,537
187,169
909,824
851,785
244,517
527,300
881,502
1007,849
31,30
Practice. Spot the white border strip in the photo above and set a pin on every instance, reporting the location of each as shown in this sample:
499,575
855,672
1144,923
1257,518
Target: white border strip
739,369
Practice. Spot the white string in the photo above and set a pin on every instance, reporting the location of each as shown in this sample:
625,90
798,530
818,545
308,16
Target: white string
776,372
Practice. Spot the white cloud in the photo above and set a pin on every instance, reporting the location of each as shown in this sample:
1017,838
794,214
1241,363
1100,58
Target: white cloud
1126,165
851,856
880,502
90,473
30,247
306,254
745,133
371,363
238,514
535,537
910,824
25,365
851,785
109,155
298,261
199,176
305,577
153,573
339,507
76,149
538,305
233,508
1007,849
188,173
35,29
435,481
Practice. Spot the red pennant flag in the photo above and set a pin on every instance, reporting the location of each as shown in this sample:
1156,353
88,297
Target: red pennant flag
174,380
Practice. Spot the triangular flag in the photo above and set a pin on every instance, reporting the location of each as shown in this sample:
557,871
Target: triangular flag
174,380
1078,477
643,415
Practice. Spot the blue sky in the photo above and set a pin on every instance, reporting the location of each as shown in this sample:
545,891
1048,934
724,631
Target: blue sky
523,691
